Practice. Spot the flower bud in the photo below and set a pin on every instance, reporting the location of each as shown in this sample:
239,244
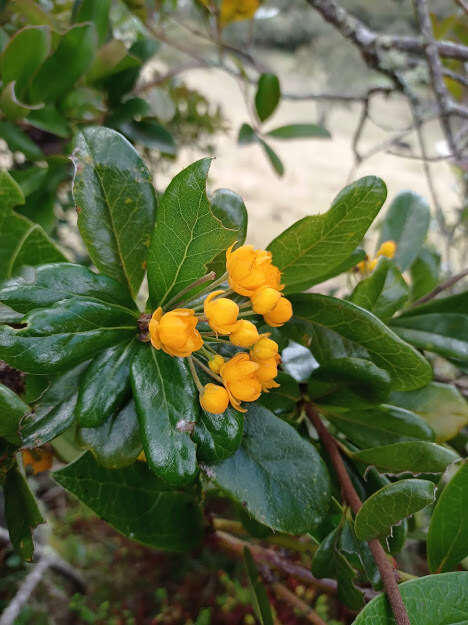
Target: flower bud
388,249
281,313
216,363
214,399
175,332
221,313
267,371
265,299
264,348
250,269
244,334
239,378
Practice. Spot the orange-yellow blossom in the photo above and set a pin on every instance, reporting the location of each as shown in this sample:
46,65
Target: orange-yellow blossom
236,10
240,380
216,363
281,313
265,354
250,269
388,249
175,332
265,299
214,398
264,348
244,334
220,312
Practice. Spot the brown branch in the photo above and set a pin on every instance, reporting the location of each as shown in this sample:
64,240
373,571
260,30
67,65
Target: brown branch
387,572
301,606
443,286
462,4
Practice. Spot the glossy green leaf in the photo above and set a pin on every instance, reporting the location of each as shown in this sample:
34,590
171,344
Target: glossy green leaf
218,436
347,265
30,179
258,593
358,553
150,134
49,119
65,65
424,272
39,287
406,222
10,193
230,209
54,409
187,236
299,131
274,159
12,107
96,12
166,402
382,425
284,401
442,406
309,250
337,328
412,456
447,541
105,385
390,505
384,292
12,410
454,304
115,443
246,135
115,202
268,95
21,513
136,503
260,473
66,334
430,600
25,52
19,141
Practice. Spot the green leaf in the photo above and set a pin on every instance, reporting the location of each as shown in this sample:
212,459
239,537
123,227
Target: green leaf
50,120
441,405
157,516
412,456
299,131
12,410
66,334
260,602
10,193
431,600
187,236
105,385
309,250
166,401
218,436
384,292
115,202
12,107
96,12
116,442
70,60
447,541
284,401
54,410
382,425
39,287
30,179
424,272
246,135
335,328
406,223
454,304
18,141
230,209
347,265
268,95
274,159
358,553
259,475
391,504
21,513
150,134
25,52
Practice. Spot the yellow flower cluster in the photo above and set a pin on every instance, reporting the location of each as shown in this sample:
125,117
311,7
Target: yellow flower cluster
250,273
388,249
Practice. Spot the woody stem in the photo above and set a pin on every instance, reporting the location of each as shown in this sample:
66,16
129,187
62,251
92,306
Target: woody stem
194,373
206,369
207,278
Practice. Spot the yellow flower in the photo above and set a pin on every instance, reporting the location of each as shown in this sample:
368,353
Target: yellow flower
281,313
267,371
221,313
216,363
175,332
264,348
240,379
388,249
367,266
250,269
40,459
264,299
244,334
235,10
214,399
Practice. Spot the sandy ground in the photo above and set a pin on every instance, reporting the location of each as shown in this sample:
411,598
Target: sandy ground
316,170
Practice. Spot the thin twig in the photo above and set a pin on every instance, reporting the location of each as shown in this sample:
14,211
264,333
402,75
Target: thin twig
30,582
301,606
387,572
443,286
209,277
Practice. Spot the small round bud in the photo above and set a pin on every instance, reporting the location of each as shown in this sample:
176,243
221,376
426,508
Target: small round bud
264,348
265,299
388,249
216,363
214,399
281,313
245,334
